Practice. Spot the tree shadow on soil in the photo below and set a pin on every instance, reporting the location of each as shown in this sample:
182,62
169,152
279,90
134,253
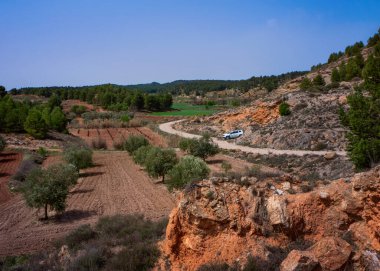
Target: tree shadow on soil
90,174
214,161
81,191
73,215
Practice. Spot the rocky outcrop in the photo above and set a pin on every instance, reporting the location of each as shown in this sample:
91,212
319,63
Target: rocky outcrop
222,221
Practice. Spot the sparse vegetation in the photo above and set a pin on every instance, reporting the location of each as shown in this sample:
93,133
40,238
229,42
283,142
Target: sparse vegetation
226,166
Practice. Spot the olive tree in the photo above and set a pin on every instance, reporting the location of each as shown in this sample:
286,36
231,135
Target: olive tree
160,161
189,169
49,187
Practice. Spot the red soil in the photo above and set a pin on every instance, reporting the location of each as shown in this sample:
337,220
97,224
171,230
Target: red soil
9,162
116,135
116,185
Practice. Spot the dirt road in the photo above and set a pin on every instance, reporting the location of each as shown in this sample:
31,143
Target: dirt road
116,185
168,128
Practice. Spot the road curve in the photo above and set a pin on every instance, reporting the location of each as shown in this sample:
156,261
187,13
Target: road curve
168,128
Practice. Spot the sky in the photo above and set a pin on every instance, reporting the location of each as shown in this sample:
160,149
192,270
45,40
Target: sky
87,42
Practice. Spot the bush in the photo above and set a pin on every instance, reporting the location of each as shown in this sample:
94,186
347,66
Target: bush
133,143
99,144
226,166
284,109
79,235
140,156
319,81
306,84
80,157
188,169
42,151
160,161
92,259
2,143
203,147
139,257
29,163
78,109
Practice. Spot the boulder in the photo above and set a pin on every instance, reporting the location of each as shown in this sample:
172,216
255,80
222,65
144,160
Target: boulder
330,155
332,252
299,261
276,208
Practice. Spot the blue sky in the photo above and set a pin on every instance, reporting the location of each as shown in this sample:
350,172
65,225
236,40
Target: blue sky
86,42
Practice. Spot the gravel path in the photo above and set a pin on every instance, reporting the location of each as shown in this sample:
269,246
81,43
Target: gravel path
168,128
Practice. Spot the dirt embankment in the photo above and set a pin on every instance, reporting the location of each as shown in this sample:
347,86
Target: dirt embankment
336,227
115,185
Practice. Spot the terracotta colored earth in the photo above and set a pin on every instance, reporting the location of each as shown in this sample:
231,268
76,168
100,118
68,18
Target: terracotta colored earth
9,162
116,185
117,135
67,104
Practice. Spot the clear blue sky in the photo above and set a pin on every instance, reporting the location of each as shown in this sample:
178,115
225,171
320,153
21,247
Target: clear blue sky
86,42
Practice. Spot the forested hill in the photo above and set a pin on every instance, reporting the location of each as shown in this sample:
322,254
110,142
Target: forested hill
176,87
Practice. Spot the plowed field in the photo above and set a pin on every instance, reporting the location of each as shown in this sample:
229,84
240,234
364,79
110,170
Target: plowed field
9,162
116,135
116,185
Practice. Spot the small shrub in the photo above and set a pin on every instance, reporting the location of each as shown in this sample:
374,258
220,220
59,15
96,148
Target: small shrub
99,144
133,143
79,157
79,235
226,166
26,166
139,257
284,109
42,151
2,143
93,259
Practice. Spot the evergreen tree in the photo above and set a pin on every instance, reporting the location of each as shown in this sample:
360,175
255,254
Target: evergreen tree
319,81
352,69
306,84
335,76
35,125
57,119
342,71
363,116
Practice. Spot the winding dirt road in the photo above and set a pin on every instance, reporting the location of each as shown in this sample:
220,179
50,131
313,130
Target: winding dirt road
168,128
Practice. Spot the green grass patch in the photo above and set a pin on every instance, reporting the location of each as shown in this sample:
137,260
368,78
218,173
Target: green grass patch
184,109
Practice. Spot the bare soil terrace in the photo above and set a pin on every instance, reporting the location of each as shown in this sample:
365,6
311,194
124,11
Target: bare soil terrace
117,135
116,185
